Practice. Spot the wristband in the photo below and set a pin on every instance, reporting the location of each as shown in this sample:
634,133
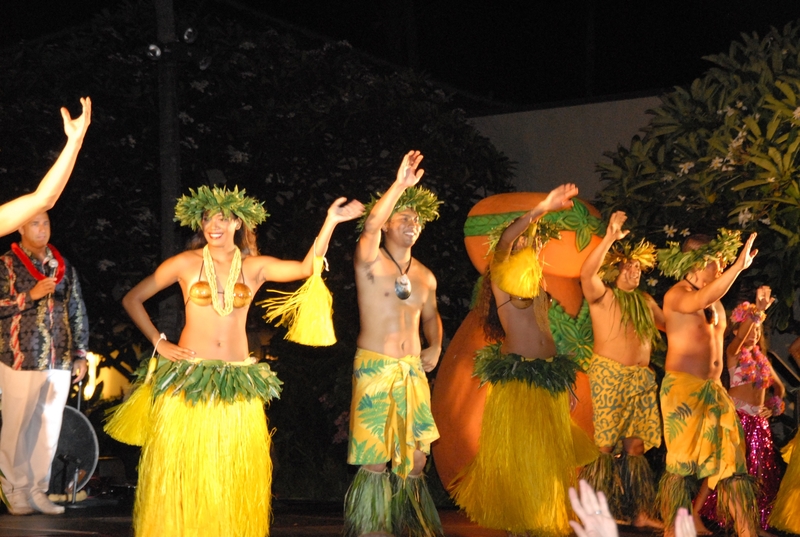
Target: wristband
161,337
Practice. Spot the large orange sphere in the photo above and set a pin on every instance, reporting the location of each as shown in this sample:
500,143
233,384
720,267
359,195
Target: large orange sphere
560,257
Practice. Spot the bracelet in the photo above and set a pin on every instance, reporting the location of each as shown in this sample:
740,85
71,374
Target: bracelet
776,404
161,337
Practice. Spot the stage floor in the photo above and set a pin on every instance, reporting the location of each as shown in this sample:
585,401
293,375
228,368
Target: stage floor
291,518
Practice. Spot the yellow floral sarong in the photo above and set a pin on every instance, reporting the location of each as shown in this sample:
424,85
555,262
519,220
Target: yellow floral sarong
785,514
390,413
625,401
701,430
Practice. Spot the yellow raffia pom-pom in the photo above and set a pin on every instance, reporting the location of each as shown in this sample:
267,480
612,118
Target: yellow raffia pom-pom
519,274
307,312
129,422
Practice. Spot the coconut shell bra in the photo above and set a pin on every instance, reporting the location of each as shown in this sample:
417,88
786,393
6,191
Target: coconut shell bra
200,292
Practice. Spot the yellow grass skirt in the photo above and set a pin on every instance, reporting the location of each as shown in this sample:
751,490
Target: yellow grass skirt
205,470
785,514
527,460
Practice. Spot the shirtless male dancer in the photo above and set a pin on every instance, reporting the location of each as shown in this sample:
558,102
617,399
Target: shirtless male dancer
625,323
703,436
390,415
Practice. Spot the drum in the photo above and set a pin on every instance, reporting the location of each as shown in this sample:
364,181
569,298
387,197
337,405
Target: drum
77,447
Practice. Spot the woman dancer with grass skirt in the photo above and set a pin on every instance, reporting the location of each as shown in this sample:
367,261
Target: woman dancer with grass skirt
751,375
205,467
785,514
529,448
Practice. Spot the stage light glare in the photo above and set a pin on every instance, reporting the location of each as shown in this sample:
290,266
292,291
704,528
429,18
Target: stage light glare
189,35
154,52
92,361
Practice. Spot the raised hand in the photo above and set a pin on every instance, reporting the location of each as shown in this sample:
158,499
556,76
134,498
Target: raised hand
614,229
764,298
408,173
747,254
76,128
339,211
560,198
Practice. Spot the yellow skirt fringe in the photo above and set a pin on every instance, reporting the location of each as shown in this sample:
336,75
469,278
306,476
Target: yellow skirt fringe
205,470
527,460
785,514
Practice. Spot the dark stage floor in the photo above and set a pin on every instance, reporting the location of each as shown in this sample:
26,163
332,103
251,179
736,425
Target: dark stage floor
291,518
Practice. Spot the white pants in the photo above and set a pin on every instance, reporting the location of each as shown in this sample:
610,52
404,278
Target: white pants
33,407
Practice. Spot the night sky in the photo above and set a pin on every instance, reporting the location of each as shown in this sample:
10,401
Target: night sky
522,54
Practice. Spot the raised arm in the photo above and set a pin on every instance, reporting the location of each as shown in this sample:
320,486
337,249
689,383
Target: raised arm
165,275
408,175
18,211
431,329
278,270
557,199
764,300
684,301
591,284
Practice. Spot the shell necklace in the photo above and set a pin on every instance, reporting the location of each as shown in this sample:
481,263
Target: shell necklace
402,285
211,275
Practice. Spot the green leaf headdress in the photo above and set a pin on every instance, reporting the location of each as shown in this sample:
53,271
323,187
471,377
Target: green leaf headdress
676,264
190,209
539,233
420,199
644,252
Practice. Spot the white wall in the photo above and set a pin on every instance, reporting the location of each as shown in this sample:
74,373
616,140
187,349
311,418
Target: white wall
561,145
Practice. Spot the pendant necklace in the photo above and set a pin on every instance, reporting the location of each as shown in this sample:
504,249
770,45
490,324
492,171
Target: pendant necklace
402,285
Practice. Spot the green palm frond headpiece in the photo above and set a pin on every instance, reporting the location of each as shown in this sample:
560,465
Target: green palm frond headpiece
420,199
539,232
190,209
644,252
676,264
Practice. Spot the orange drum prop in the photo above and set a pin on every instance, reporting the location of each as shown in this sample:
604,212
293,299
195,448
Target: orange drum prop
457,401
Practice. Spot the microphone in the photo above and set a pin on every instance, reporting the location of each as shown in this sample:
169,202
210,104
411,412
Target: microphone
53,264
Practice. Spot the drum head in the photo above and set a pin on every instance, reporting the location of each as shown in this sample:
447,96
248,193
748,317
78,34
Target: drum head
77,445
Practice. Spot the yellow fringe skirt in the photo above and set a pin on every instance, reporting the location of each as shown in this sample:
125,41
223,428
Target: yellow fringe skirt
205,470
527,459
785,514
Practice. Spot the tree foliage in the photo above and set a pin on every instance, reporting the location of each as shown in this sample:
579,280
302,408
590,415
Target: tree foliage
295,121
723,152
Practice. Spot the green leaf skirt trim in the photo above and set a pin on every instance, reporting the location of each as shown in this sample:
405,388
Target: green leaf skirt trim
556,374
213,380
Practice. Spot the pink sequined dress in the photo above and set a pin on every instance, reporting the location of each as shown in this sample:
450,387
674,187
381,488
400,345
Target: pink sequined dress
763,461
